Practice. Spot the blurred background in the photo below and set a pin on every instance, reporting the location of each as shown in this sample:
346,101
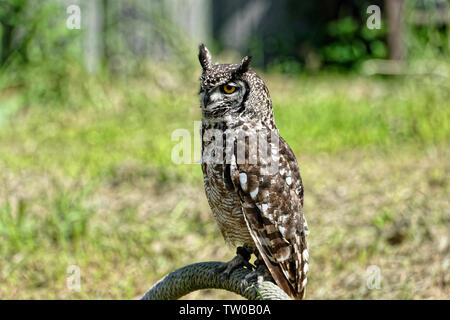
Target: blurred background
91,91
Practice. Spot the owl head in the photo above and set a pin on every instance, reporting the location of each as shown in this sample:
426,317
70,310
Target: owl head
232,91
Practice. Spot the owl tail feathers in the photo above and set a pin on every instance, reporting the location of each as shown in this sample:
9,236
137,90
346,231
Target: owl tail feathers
282,282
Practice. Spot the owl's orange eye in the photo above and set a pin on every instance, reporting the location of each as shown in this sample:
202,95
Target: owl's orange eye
228,88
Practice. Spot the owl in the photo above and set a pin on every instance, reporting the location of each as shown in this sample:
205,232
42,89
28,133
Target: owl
251,176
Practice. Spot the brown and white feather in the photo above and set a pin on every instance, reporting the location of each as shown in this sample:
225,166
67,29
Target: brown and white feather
252,206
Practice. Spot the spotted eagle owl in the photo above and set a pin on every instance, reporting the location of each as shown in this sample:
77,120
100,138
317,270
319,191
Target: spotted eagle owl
255,192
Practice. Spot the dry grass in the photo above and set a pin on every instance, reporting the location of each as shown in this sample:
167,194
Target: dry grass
95,187
390,210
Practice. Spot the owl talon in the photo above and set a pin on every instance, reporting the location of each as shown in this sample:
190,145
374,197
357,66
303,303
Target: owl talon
258,276
240,260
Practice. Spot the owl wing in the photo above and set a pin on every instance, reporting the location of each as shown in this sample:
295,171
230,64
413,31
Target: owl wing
272,207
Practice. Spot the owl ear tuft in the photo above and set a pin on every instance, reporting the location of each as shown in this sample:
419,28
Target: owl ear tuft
204,57
245,63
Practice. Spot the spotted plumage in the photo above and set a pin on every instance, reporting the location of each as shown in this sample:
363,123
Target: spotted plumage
251,176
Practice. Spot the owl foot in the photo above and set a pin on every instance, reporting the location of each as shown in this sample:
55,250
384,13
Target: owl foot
240,260
258,276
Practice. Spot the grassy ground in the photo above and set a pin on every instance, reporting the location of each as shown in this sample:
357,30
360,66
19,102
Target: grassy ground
92,184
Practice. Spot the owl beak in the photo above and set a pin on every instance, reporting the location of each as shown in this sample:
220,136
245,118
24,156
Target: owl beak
205,99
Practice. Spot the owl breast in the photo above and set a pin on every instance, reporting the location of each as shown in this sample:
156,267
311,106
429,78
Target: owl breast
225,204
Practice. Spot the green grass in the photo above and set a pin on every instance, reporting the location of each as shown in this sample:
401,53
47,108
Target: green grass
88,180
331,115
324,114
